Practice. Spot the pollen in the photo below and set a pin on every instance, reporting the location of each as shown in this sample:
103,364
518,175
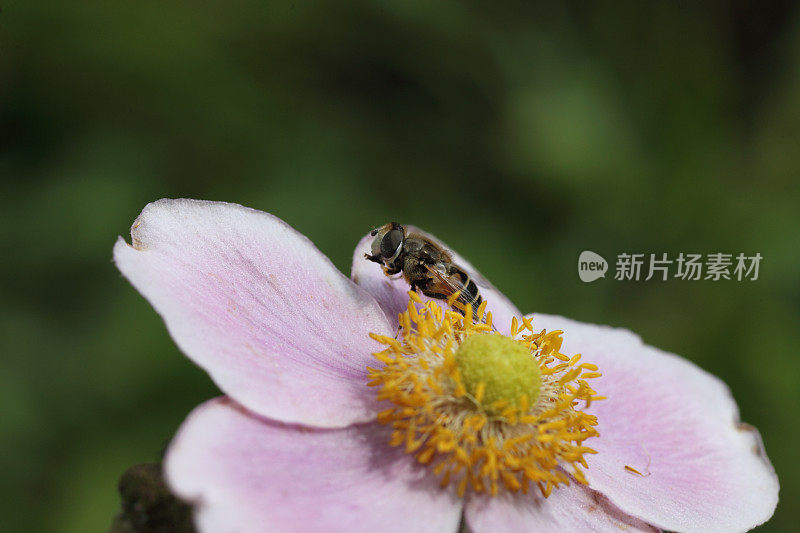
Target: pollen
486,412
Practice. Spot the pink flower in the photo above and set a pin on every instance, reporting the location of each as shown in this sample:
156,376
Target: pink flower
295,444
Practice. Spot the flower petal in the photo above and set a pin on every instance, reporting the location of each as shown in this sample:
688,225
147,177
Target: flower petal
568,508
700,469
256,305
245,473
392,293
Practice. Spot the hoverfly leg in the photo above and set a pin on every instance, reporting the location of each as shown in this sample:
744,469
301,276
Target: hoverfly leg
392,270
373,258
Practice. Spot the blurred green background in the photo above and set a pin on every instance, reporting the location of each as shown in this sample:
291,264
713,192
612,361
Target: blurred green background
520,135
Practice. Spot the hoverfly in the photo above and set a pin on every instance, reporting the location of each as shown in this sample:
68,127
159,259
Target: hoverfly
425,266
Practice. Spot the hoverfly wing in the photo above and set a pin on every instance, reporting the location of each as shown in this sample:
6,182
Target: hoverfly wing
462,263
455,286
442,284
501,307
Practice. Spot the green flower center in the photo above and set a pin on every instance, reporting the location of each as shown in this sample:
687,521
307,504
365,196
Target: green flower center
498,372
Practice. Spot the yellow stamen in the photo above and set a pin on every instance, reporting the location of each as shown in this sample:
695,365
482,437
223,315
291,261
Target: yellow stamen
478,431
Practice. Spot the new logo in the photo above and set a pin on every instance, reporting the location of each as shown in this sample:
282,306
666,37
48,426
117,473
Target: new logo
591,266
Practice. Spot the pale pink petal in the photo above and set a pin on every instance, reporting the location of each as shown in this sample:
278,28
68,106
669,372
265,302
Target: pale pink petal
256,305
701,468
568,508
246,473
392,293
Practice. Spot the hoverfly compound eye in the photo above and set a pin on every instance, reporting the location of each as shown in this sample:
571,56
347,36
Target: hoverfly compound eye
375,248
391,243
